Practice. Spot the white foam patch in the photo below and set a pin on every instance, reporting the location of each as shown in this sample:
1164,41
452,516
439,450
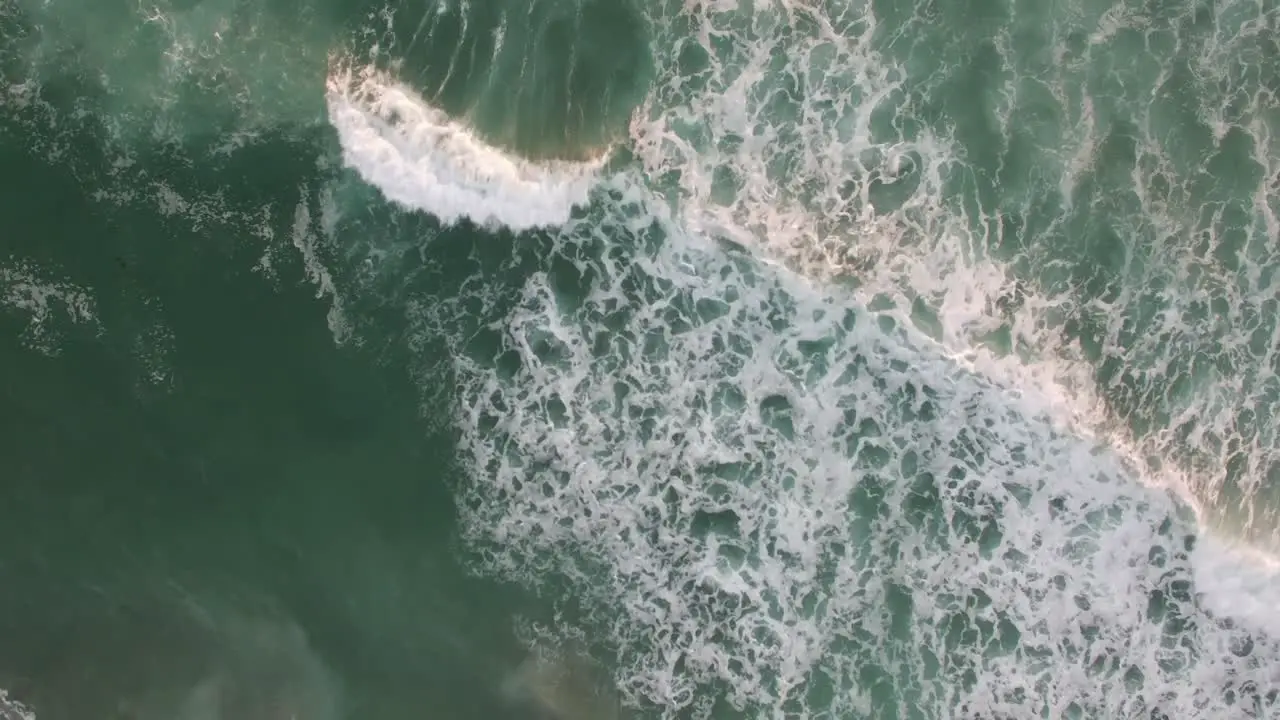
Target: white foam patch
12,709
49,304
762,491
831,182
798,130
420,158
1240,583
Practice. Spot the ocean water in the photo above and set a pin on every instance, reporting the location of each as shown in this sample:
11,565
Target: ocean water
603,359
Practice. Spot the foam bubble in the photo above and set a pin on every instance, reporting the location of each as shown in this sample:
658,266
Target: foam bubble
1085,240
775,497
12,709
48,304
763,492
1240,583
421,159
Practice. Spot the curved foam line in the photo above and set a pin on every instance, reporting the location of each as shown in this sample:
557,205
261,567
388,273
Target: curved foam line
421,159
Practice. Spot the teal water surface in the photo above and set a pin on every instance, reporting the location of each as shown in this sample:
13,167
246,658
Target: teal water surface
589,359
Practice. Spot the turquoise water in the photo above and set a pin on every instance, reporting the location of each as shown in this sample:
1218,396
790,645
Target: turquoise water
578,359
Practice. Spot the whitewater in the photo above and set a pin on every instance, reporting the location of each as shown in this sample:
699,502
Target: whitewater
841,499
887,361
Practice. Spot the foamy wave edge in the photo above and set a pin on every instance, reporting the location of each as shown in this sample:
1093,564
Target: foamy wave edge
12,709
421,159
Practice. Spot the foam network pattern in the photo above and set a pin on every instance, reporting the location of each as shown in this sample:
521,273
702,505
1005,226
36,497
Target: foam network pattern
49,306
768,493
1089,192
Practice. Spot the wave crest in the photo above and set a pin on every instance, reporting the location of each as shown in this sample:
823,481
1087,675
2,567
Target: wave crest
420,158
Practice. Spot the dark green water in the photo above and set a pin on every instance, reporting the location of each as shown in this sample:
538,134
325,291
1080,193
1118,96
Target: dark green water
268,477
888,360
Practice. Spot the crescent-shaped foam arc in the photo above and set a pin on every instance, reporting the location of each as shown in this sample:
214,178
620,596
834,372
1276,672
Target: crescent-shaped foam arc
420,158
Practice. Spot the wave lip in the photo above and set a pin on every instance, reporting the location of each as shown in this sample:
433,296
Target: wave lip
419,157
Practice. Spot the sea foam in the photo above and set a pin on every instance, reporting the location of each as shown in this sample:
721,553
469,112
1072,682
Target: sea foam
420,158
